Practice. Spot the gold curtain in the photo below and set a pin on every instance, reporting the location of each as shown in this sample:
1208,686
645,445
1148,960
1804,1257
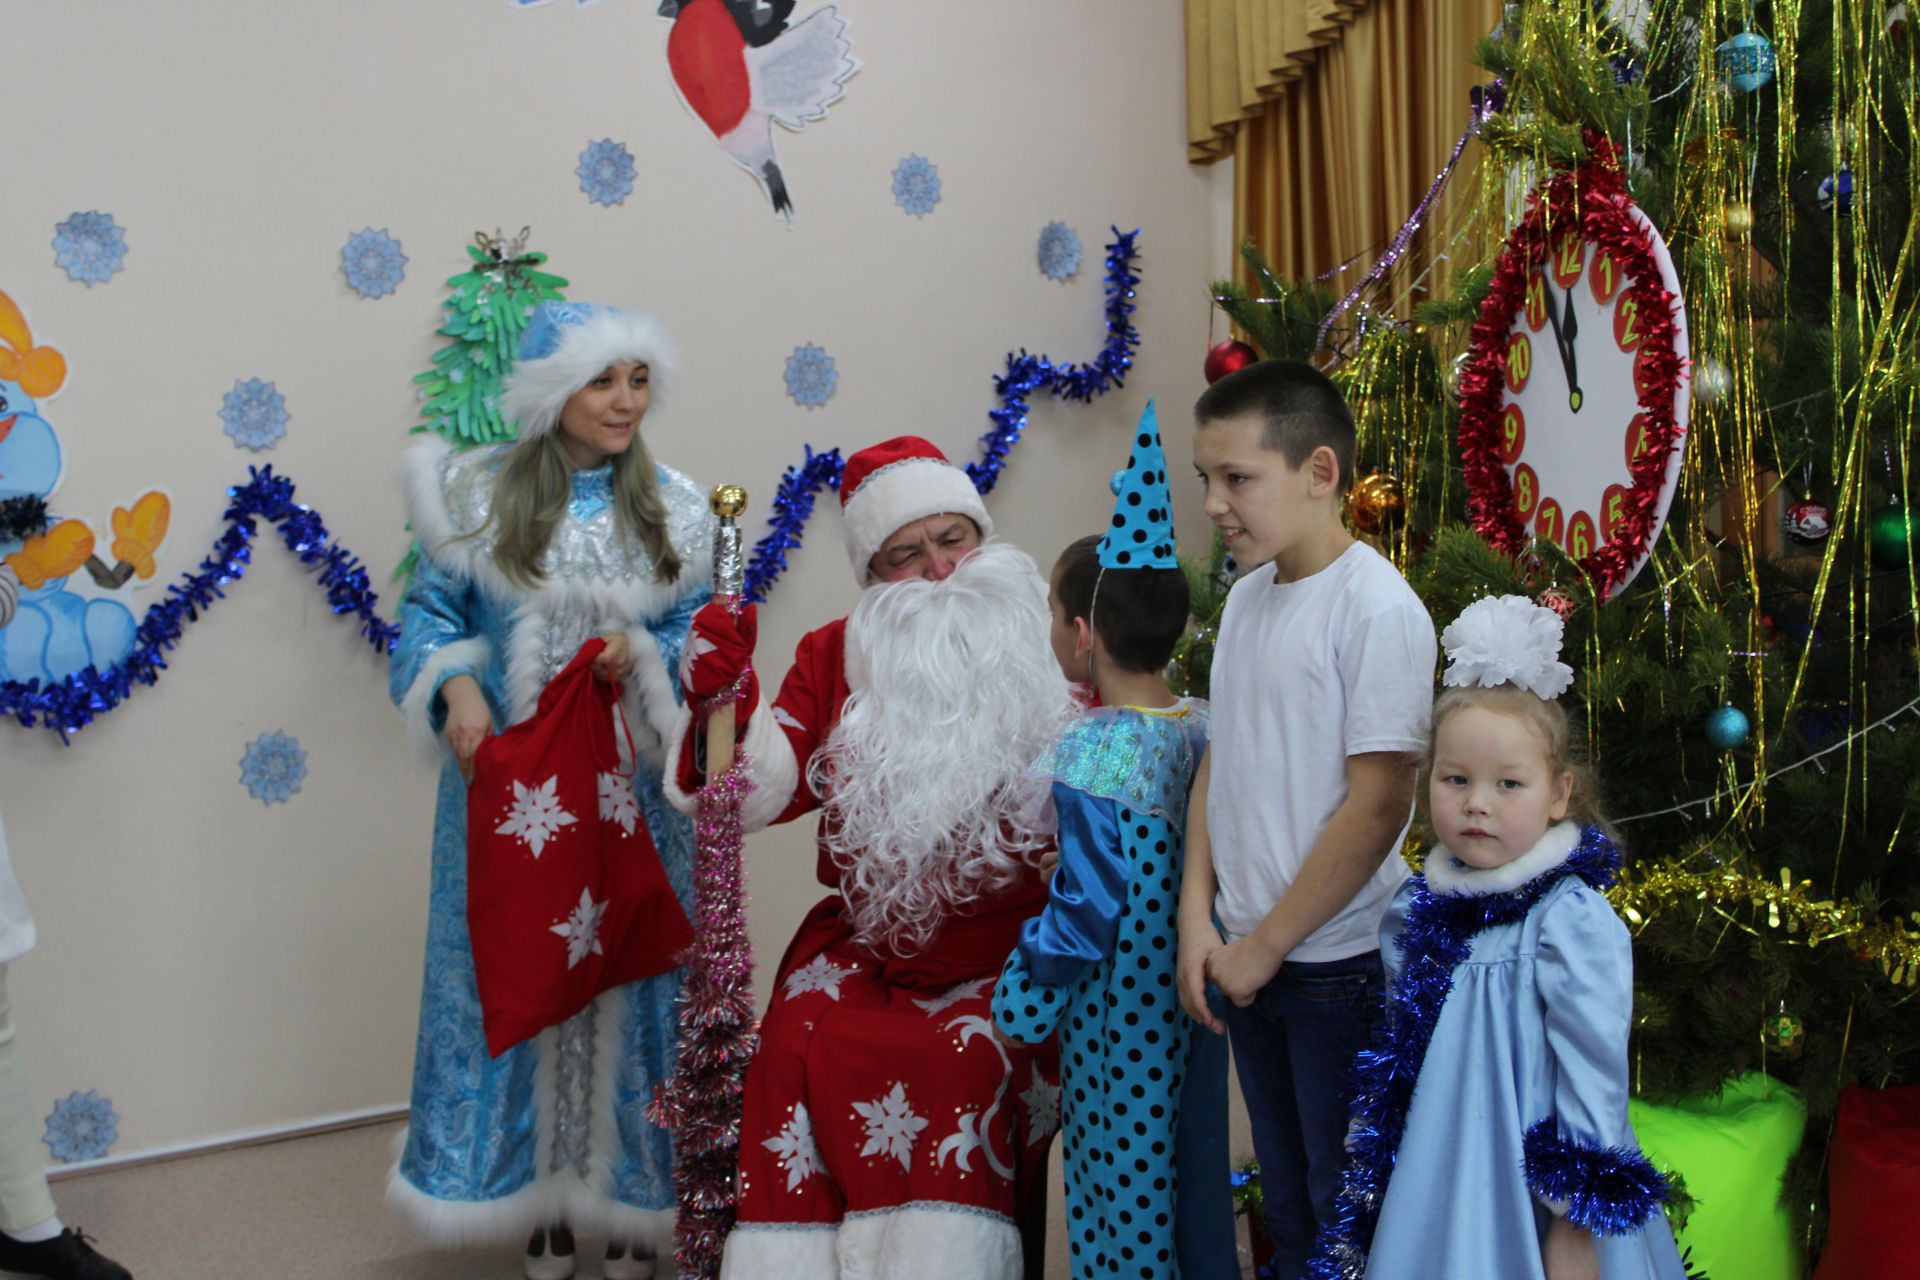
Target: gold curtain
1335,145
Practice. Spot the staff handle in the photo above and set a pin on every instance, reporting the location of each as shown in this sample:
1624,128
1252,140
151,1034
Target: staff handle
728,502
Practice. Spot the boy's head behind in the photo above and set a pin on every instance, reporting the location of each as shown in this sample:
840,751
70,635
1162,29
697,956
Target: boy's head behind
1274,446
1139,614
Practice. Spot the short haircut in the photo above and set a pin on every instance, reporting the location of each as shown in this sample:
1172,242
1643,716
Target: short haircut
1139,614
1298,407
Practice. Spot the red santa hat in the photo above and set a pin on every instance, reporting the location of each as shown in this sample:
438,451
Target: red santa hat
894,483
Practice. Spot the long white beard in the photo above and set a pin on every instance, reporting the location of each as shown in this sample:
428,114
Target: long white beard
955,692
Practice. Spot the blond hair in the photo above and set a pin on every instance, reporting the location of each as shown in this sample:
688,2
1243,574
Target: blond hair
531,494
1548,720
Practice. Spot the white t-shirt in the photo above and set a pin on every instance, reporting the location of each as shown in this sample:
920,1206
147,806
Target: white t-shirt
1306,674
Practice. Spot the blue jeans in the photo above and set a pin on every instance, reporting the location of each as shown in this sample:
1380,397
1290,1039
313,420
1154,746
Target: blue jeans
1293,1048
1203,1230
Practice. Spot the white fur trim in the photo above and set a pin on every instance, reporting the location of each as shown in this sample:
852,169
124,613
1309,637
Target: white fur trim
898,494
929,1241
586,1204
473,653
537,390
781,1251
443,539
775,774
1452,878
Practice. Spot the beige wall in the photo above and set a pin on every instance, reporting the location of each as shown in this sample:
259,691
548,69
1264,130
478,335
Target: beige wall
213,965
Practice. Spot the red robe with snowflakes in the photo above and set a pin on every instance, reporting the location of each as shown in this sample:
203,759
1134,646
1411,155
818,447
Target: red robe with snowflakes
888,1132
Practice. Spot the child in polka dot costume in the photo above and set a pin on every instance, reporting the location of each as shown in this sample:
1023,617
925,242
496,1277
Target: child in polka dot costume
1098,964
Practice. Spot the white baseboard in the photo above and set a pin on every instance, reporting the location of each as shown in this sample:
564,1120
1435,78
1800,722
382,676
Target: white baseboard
230,1142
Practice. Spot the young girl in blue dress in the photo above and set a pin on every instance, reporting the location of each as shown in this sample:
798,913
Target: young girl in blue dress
1490,1135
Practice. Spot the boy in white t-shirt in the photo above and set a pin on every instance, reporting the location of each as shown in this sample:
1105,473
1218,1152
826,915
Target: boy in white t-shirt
1322,688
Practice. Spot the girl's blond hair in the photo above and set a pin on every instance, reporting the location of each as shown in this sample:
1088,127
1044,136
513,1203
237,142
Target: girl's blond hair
531,493
1548,719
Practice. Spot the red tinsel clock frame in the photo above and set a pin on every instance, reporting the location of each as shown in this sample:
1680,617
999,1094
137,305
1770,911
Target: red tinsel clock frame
1593,198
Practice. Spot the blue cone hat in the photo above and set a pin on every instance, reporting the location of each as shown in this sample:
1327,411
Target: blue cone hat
1141,536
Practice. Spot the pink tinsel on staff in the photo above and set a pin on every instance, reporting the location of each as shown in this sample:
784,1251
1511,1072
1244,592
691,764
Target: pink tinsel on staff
701,1103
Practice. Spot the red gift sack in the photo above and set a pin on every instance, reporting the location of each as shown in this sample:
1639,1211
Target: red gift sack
566,896
1873,1184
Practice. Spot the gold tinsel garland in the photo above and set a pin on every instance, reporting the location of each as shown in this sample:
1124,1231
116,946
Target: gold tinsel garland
1784,909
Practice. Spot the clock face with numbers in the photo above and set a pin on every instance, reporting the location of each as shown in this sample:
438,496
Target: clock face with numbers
1573,418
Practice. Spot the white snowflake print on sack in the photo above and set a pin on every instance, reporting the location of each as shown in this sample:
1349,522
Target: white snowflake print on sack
954,995
582,929
794,1148
891,1126
618,803
535,816
817,974
1043,1108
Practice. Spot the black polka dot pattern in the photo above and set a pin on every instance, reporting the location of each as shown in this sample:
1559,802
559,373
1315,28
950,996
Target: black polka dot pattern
1123,1051
1142,533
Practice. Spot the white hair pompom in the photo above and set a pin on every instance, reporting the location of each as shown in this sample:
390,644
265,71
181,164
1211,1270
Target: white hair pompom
1506,640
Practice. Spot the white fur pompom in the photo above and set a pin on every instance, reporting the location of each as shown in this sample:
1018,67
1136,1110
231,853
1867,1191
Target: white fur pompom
1507,640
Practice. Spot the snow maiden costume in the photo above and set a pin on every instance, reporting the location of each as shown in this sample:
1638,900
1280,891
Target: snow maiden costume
1496,1097
554,1129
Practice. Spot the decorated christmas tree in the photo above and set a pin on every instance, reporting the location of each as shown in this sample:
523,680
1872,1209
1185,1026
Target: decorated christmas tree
1697,268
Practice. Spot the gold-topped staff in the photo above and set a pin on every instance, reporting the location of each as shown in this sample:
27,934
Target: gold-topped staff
729,503
701,1103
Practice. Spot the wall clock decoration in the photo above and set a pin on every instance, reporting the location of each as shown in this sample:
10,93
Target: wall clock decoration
1573,415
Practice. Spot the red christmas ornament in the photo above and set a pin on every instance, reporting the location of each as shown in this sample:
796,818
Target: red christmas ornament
1557,600
1228,357
1809,522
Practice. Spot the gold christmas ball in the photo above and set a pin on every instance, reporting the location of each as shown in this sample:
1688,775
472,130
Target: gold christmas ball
1783,1034
1378,503
1737,216
727,500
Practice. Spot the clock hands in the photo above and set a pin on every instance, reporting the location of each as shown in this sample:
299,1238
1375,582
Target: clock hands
1566,327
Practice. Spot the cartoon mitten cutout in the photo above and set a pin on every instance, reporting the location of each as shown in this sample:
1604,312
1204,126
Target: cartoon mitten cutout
137,534
54,554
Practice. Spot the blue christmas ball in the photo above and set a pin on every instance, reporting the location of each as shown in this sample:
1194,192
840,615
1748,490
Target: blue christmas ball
1746,61
1836,192
1728,728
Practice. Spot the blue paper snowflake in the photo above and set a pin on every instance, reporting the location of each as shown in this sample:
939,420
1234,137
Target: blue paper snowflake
273,767
606,172
83,1126
1059,251
255,413
89,247
373,262
811,377
916,185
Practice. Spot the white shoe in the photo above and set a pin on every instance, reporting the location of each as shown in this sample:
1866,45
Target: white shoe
626,1262
550,1254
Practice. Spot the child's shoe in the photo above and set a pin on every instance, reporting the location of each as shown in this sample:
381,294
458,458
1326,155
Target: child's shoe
550,1253
68,1256
626,1262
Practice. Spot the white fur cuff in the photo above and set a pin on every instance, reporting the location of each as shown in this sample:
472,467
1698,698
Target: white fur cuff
462,657
775,774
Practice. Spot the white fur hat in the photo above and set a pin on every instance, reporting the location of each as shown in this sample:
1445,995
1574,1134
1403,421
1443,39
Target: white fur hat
888,486
565,346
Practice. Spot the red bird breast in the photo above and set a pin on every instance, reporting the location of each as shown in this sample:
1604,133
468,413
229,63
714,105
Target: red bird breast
708,59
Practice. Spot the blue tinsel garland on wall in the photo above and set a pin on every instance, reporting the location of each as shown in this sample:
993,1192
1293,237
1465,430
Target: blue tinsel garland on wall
1025,375
69,705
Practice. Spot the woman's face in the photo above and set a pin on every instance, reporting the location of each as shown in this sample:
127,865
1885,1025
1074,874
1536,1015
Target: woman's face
602,417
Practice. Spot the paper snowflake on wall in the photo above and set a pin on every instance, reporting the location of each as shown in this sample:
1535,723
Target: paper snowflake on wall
255,414
89,247
811,376
606,172
916,185
373,262
273,767
83,1126
1059,251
